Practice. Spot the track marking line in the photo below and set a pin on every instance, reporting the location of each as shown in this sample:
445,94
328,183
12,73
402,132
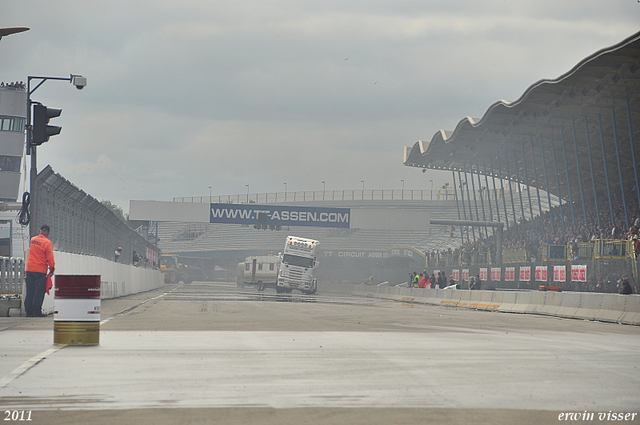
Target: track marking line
28,365
33,361
138,305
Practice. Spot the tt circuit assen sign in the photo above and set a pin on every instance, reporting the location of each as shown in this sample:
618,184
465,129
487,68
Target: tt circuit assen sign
271,215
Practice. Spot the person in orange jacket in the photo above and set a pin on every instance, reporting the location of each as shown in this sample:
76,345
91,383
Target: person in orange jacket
423,280
39,262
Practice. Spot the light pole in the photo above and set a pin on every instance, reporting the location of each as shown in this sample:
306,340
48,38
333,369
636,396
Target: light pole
79,82
285,191
209,194
431,189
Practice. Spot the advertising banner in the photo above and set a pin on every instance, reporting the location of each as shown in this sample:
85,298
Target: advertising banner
541,273
455,273
495,274
278,215
559,273
578,273
465,275
525,273
483,273
509,274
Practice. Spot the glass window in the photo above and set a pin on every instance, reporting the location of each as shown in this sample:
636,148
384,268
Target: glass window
294,260
10,163
12,124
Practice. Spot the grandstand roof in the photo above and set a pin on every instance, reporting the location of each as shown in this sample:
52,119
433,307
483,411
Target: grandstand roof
546,129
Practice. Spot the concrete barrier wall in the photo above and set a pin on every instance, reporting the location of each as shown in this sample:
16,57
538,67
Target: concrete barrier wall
116,280
577,305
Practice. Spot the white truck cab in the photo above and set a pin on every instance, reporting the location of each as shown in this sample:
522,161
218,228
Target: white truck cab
297,266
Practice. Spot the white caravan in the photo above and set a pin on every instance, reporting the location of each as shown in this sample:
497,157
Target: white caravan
259,270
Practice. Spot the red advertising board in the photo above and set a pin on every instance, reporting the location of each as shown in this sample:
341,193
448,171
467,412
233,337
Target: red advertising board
509,274
483,273
559,273
541,273
496,274
579,272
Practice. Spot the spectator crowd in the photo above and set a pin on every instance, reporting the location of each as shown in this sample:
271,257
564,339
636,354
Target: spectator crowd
17,85
556,226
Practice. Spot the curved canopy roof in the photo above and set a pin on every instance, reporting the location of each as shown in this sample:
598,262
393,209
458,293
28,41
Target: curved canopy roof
583,123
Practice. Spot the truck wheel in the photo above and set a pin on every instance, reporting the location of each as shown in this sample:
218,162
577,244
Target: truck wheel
314,287
173,278
279,290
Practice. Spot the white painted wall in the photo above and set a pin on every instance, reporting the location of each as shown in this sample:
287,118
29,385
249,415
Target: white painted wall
116,279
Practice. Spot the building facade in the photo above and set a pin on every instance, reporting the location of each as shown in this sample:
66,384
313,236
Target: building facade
13,118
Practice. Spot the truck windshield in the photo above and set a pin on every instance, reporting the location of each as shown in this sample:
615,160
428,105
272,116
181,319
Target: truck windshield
294,260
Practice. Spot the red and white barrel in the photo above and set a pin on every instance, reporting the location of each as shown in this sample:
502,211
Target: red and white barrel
76,316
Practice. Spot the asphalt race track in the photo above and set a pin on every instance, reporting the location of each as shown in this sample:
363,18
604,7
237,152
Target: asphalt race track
212,353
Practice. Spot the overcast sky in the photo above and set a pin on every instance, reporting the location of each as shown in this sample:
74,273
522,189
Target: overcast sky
190,94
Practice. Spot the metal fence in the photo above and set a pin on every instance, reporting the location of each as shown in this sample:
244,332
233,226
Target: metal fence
80,224
11,275
327,195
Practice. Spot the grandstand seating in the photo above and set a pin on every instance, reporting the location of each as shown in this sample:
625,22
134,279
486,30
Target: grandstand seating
205,237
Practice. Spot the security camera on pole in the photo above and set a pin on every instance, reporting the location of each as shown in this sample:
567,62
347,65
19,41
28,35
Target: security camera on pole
38,132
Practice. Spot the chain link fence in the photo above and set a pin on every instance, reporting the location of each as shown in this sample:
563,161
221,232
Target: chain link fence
80,224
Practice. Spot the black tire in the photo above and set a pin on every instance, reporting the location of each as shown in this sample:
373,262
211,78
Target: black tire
173,278
314,287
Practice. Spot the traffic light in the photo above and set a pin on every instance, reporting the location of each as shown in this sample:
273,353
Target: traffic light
41,129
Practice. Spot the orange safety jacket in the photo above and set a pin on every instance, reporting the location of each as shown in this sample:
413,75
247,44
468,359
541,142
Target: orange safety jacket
40,255
423,282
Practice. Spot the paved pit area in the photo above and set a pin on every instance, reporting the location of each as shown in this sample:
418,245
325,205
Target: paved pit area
213,353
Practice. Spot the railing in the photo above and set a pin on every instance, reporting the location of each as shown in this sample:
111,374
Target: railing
603,248
552,252
613,248
328,195
443,259
11,275
585,250
514,256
